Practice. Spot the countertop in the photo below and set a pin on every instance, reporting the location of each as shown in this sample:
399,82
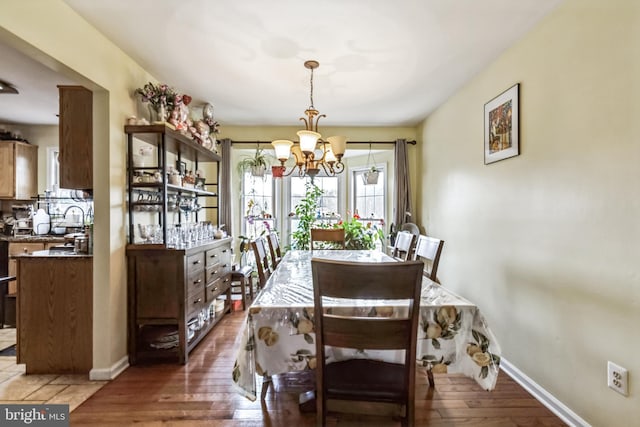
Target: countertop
46,238
53,253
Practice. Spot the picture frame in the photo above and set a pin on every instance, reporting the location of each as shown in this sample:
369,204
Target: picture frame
502,126
200,183
181,167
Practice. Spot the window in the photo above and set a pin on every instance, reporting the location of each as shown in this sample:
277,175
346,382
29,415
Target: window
328,206
369,200
257,203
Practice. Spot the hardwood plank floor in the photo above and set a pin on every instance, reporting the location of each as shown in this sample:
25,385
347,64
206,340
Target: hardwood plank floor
201,393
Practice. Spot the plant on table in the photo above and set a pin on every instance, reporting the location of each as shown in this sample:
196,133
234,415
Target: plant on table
359,234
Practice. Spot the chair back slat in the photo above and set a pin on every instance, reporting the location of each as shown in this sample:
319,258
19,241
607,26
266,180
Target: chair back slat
403,245
332,235
262,260
274,249
429,249
374,333
339,281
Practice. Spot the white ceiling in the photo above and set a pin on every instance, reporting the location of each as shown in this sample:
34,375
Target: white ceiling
382,63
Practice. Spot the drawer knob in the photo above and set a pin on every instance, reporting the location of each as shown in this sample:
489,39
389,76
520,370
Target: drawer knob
196,262
198,301
214,289
197,281
215,272
214,256
224,250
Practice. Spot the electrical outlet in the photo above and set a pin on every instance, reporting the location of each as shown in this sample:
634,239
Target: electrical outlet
617,378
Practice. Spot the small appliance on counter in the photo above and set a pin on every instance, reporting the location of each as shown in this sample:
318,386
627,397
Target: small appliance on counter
22,223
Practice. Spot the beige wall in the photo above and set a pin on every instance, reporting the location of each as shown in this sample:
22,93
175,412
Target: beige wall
548,243
49,31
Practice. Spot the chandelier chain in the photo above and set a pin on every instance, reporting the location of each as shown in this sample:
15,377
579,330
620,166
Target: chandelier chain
311,92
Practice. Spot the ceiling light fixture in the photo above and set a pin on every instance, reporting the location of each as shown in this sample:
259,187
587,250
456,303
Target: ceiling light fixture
308,161
7,88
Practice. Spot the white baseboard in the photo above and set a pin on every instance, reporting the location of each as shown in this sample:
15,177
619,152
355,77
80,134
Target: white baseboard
110,373
543,396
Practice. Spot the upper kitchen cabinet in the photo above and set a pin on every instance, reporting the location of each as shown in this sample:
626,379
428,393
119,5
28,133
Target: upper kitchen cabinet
18,170
76,137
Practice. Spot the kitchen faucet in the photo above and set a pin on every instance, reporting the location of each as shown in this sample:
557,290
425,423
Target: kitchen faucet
72,207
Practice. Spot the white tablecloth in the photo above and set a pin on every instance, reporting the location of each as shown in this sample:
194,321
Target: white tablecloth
452,336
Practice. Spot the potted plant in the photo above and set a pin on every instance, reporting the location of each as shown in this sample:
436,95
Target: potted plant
358,235
370,177
257,163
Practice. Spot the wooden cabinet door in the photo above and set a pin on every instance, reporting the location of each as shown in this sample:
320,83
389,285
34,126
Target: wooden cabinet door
19,170
76,137
16,248
7,170
26,163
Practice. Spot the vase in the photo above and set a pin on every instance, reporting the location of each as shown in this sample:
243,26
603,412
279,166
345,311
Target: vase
157,114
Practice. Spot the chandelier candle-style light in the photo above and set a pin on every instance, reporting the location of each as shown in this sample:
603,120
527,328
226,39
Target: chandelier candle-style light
311,153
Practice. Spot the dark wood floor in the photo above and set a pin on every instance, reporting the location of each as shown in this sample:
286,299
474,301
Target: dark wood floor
200,393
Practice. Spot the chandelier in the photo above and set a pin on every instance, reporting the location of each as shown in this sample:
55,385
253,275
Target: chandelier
311,153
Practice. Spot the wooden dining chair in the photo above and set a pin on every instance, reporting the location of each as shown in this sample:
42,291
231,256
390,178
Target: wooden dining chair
274,249
259,247
402,248
333,236
358,385
428,250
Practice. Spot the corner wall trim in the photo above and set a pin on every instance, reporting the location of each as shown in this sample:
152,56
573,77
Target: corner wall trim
111,373
542,395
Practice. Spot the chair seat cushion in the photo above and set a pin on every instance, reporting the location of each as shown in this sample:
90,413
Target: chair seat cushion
366,379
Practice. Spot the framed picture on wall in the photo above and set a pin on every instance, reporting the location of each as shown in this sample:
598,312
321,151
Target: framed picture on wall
501,126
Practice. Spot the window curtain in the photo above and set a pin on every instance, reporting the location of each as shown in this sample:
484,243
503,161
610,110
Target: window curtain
402,208
224,186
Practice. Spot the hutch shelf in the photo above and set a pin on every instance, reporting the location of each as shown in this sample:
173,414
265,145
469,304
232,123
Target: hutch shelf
177,290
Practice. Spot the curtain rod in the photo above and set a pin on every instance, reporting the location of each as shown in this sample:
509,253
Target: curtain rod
348,142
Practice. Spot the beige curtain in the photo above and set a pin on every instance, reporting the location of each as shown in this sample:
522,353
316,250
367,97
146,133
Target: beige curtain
402,209
224,187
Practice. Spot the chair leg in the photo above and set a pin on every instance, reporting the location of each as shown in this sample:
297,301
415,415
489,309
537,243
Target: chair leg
243,291
430,376
266,382
250,280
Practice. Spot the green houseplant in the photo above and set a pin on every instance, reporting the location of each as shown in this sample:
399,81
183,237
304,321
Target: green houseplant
360,236
256,164
305,211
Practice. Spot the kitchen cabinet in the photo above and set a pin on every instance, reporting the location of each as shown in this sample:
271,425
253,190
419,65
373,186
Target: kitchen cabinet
76,137
19,248
55,314
18,170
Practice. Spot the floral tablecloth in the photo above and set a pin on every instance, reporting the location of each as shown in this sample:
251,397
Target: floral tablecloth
453,335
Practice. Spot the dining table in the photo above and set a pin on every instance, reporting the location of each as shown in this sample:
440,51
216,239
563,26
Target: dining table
278,335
